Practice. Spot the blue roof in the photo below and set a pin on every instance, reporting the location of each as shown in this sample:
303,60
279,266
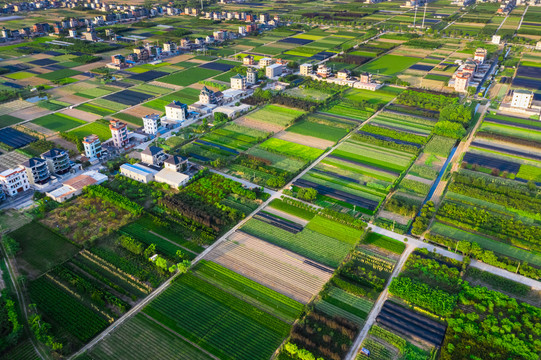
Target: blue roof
136,168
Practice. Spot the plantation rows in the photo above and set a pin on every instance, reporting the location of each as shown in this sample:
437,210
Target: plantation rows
311,244
230,280
221,323
271,266
65,310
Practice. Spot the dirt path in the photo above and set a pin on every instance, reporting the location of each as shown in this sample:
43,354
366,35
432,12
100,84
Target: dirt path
377,306
172,242
180,336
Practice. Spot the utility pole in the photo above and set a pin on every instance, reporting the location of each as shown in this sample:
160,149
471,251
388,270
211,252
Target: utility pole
415,16
423,26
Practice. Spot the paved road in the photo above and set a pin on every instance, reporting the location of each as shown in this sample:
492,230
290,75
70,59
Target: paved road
244,182
166,284
355,347
522,18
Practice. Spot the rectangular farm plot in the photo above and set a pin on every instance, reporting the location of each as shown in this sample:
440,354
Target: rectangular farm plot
58,122
128,97
403,122
250,291
389,64
274,267
7,120
59,74
98,128
155,340
188,77
309,243
287,148
41,248
236,137
318,130
15,138
217,321
276,114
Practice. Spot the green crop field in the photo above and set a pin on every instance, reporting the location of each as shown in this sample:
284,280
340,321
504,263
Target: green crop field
307,93
219,322
19,75
386,243
251,291
58,122
283,162
313,245
156,343
59,74
7,120
185,96
335,230
291,149
129,118
292,209
315,129
188,77
529,172
94,109
389,64
366,154
486,243
108,104
276,114
41,248
98,128
93,93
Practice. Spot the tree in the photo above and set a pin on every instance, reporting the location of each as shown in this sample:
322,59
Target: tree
11,245
456,113
220,117
307,194
449,129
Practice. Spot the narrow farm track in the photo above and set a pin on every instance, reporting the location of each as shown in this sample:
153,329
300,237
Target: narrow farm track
352,353
134,310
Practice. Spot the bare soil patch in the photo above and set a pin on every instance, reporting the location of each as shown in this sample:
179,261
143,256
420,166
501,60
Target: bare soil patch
259,125
80,114
304,140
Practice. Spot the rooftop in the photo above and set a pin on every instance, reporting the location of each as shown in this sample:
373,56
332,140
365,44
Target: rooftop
152,150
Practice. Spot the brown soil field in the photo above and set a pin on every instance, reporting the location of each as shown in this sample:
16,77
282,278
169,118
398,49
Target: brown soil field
304,140
271,266
73,99
30,113
140,111
259,125
82,115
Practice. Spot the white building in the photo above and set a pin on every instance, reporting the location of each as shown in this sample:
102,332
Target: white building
238,82
176,111
538,45
480,55
92,145
170,47
324,71
496,39
138,172
153,155
522,99
265,62
151,124
462,81
273,71
14,181
75,186
251,76
176,163
306,69
171,178
119,133
242,30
